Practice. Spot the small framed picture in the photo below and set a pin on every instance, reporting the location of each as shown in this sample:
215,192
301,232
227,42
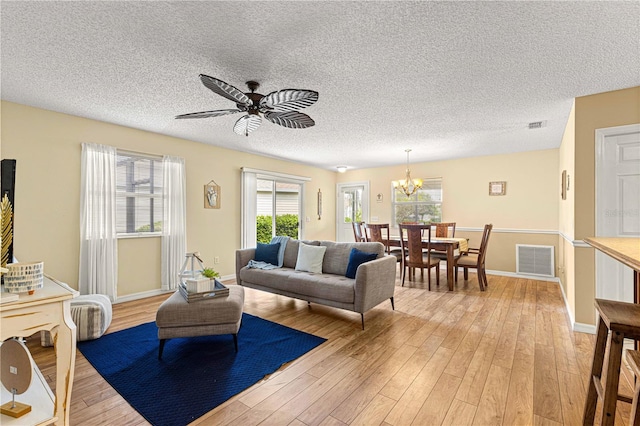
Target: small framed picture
497,188
565,185
211,196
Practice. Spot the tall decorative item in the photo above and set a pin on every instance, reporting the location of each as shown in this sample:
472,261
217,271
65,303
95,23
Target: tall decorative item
15,374
6,225
319,204
188,270
212,195
407,185
24,277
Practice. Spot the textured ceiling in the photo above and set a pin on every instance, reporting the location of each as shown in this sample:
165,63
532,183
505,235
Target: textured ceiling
446,79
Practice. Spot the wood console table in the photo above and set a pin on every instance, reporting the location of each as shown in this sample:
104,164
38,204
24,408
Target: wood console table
49,308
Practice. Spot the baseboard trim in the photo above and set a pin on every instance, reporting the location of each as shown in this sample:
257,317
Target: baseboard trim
157,292
584,328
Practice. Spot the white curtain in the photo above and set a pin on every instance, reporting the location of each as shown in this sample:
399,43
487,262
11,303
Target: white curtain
98,242
174,226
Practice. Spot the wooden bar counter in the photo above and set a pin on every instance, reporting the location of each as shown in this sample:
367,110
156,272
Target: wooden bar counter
625,251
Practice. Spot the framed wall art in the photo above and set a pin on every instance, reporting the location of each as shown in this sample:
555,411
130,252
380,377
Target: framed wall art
212,195
498,188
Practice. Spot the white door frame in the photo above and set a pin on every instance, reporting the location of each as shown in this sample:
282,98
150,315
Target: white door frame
609,271
340,208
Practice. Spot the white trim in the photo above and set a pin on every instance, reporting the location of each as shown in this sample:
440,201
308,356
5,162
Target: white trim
510,230
575,243
141,295
157,292
269,174
576,326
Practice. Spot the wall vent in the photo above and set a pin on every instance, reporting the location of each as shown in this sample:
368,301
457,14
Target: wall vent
536,124
535,260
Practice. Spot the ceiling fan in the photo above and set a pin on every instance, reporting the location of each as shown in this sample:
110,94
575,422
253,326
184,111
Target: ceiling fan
279,107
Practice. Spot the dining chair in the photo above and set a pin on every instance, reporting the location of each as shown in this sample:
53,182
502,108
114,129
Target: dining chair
413,256
475,259
358,232
379,232
444,230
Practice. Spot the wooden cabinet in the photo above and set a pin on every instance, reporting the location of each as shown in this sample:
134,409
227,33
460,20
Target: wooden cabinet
47,309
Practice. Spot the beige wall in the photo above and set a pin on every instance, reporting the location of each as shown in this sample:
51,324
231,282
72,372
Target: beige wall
566,224
47,146
527,214
617,108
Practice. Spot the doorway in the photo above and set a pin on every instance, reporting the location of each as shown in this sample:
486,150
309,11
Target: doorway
617,204
352,205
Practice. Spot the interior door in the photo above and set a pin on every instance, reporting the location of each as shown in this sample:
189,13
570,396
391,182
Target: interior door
352,204
617,204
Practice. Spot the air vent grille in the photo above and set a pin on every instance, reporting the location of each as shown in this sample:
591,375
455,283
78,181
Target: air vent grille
536,124
535,260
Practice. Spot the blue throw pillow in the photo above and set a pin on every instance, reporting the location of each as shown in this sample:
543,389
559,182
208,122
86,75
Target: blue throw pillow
267,253
357,258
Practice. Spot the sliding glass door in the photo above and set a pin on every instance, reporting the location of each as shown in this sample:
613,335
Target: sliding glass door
272,205
278,209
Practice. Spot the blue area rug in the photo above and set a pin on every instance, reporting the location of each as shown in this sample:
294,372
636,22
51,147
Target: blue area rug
195,374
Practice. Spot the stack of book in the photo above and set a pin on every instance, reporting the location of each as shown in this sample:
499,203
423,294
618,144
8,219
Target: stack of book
214,290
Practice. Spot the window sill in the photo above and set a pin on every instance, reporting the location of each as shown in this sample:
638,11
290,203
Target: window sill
139,235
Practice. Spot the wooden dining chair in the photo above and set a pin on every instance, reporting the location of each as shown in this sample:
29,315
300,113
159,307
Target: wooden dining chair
358,232
444,230
475,259
379,232
413,256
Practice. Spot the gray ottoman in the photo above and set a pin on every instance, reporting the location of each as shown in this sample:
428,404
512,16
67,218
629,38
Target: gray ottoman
178,318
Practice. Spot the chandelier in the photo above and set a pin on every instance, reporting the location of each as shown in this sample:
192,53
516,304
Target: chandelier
407,185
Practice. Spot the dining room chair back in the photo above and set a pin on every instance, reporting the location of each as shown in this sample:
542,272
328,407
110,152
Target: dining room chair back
358,232
411,241
475,258
445,229
379,232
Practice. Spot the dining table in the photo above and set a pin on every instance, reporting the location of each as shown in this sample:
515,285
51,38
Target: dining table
452,246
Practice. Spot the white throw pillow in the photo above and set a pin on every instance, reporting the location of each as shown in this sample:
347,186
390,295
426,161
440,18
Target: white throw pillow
310,258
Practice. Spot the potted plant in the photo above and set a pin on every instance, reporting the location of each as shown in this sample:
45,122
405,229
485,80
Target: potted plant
210,273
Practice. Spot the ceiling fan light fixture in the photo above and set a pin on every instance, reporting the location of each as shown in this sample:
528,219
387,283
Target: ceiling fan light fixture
407,186
279,107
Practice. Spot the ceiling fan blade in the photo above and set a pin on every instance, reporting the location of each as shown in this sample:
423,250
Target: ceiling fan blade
226,90
207,114
290,119
289,100
247,124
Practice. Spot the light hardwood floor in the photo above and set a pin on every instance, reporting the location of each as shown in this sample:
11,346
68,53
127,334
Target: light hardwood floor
506,356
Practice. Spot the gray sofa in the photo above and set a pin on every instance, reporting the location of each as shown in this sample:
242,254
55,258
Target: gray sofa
373,284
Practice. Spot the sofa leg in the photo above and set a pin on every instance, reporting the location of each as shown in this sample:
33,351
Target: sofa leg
362,317
393,308
235,341
161,348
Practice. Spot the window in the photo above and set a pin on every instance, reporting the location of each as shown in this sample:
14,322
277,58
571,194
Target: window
138,194
422,207
272,204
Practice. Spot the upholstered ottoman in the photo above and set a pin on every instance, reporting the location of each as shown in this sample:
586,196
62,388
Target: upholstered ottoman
178,318
91,314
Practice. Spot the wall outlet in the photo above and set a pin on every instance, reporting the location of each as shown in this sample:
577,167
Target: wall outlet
374,218
216,260
308,219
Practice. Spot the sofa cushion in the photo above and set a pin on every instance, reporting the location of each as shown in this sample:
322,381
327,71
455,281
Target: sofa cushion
291,252
321,286
336,258
357,258
267,253
310,258
274,278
